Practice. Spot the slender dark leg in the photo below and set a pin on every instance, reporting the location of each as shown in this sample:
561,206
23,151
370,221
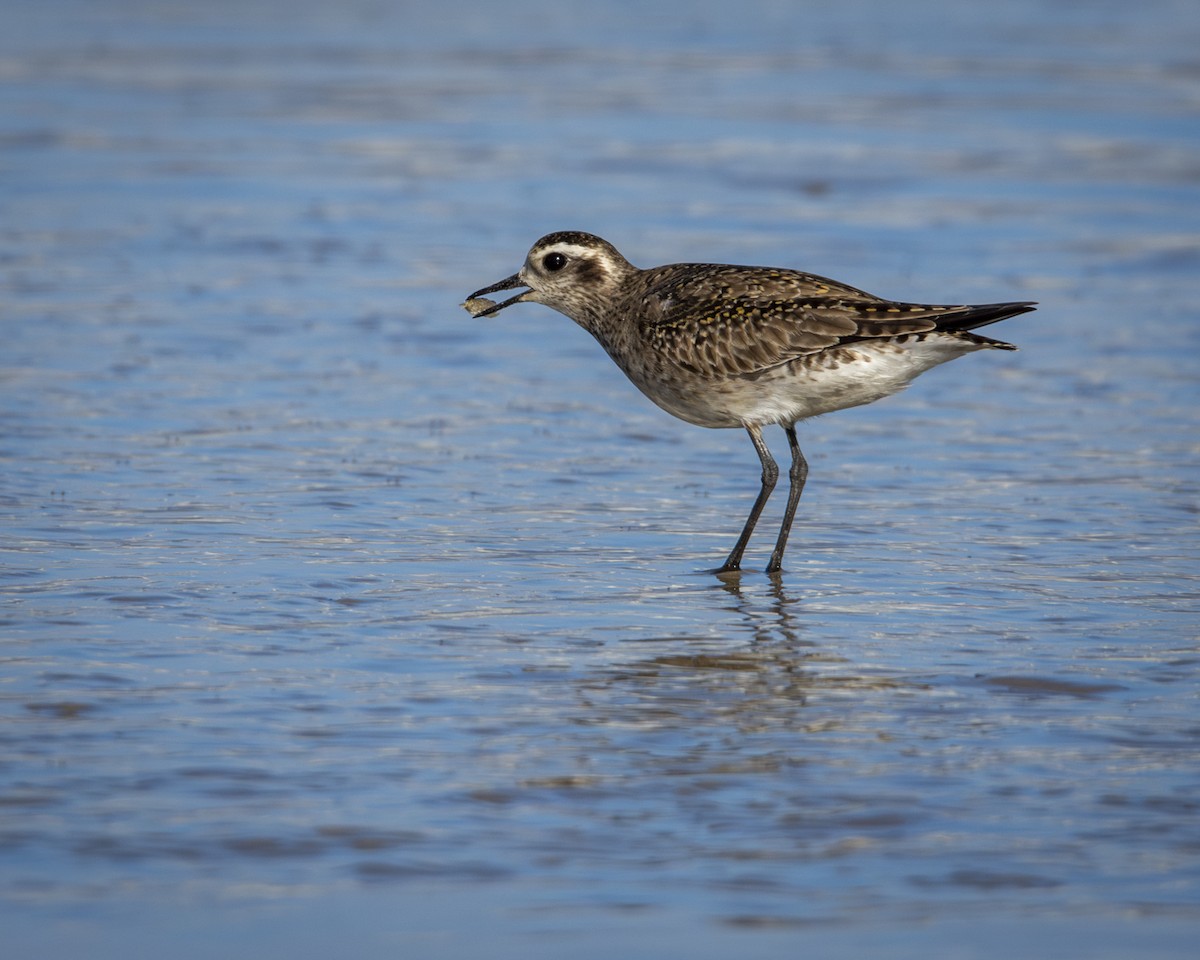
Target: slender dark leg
770,473
797,474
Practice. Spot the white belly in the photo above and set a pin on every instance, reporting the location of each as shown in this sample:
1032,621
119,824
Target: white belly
808,387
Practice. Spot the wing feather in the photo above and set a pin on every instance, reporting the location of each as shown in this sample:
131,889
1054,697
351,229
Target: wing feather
725,322
721,321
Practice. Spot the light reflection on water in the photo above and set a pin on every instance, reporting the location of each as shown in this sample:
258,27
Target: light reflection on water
324,602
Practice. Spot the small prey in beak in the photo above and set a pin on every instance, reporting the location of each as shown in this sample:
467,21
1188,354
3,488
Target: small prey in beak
478,306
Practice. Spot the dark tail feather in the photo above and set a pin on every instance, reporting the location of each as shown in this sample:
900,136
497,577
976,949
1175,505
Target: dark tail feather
968,318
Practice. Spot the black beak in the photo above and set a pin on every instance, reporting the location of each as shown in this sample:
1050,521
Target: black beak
506,284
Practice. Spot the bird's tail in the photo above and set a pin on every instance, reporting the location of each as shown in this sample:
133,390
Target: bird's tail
980,315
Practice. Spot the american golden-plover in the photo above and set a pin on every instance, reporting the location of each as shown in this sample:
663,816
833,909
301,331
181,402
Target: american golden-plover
729,346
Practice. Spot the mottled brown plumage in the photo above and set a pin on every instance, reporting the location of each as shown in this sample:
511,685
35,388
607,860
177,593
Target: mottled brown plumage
733,346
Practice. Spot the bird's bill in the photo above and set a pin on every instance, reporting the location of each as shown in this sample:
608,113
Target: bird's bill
506,284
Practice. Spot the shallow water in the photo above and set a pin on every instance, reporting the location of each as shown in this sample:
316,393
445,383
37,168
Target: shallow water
335,619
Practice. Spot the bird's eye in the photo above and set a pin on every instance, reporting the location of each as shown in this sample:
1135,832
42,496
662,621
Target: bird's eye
554,262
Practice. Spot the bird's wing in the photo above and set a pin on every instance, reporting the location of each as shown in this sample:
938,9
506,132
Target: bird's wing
728,322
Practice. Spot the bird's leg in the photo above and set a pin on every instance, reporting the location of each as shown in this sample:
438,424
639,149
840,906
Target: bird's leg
797,474
770,473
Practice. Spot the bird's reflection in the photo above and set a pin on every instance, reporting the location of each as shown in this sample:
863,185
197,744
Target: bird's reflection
757,668
761,665
775,622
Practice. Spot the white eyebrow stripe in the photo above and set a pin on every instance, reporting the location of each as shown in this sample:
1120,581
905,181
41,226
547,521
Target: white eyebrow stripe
570,249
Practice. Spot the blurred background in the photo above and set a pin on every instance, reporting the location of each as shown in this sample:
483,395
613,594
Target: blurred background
335,620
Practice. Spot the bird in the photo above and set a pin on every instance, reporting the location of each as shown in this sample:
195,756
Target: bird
728,346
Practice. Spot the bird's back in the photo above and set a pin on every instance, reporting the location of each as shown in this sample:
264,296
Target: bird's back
718,321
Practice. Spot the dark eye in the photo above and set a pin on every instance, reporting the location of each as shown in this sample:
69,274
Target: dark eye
554,262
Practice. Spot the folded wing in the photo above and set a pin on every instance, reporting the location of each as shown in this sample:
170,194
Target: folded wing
719,321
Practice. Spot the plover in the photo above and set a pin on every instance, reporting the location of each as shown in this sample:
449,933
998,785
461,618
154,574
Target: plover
731,346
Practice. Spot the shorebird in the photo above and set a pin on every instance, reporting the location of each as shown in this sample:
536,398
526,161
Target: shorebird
720,345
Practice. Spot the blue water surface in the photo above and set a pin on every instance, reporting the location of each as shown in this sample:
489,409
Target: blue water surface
337,622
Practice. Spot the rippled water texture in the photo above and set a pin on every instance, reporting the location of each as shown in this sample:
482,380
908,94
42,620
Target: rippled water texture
337,623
